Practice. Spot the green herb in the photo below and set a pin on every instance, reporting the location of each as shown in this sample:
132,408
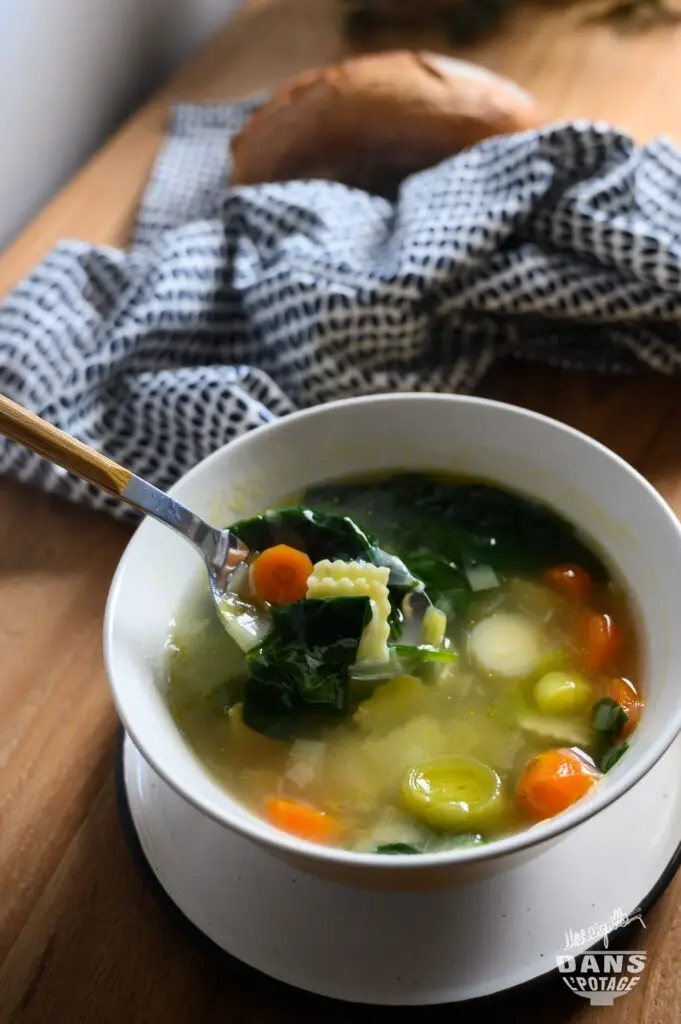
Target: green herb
612,756
301,667
608,719
397,848
423,654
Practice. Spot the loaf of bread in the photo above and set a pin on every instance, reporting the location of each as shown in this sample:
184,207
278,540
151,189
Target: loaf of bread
373,120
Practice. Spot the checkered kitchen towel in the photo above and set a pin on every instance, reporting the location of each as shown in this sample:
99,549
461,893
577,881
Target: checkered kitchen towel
235,306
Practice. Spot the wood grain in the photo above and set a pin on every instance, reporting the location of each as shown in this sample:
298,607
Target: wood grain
34,433
81,938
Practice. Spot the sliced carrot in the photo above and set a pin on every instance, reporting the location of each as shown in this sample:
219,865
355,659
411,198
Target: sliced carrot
624,692
601,640
552,781
302,820
280,574
570,580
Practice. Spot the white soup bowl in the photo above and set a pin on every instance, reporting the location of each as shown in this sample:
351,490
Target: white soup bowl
609,501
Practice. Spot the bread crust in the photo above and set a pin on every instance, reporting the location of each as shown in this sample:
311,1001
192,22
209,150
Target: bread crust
372,120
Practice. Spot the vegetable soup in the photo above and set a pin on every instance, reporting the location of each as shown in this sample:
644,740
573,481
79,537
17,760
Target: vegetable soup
408,664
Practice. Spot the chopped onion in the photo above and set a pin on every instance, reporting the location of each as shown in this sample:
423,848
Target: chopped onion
238,580
247,626
306,760
313,751
301,774
481,577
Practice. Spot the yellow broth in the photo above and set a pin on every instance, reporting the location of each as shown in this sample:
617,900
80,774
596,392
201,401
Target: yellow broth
354,770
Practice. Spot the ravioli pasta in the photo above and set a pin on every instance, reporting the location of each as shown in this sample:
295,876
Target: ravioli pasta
358,579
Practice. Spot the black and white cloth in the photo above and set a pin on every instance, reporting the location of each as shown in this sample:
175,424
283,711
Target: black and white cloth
236,306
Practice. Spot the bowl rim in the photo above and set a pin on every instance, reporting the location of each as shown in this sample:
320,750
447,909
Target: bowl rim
281,843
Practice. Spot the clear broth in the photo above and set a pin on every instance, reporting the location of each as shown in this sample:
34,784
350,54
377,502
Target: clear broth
354,770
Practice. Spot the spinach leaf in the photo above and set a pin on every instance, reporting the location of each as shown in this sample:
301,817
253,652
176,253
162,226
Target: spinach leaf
318,534
612,756
608,719
488,525
397,848
459,525
445,584
301,667
323,535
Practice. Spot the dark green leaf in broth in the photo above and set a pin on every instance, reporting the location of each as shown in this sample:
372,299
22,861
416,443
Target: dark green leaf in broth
317,533
491,526
398,848
608,719
613,755
323,535
459,524
301,668
444,583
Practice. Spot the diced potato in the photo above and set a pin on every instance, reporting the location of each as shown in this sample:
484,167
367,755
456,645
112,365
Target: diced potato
364,770
420,738
391,704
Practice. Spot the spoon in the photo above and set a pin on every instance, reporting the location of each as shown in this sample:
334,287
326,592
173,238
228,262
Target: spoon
220,550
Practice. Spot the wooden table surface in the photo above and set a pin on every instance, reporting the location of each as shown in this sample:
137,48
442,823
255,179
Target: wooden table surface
81,937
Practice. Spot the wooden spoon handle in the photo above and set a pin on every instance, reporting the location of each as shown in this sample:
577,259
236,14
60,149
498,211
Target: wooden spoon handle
29,430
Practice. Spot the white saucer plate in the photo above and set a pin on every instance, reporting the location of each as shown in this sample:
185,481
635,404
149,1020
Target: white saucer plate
406,948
